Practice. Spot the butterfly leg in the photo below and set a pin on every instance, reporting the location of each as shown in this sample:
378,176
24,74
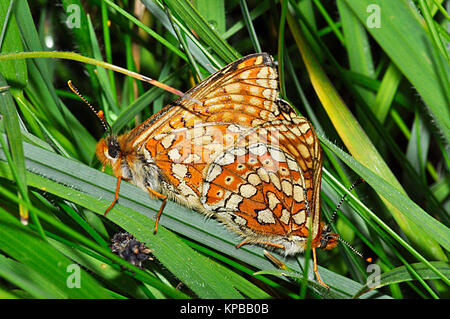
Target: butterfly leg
116,196
259,242
315,269
164,199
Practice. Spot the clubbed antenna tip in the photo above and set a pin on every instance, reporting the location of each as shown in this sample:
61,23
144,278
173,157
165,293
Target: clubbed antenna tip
99,114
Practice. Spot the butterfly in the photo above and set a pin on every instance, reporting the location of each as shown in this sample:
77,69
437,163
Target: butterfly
233,150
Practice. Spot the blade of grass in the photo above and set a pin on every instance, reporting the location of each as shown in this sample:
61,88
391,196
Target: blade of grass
4,15
187,12
385,95
329,20
281,44
357,46
213,12
105,78
404,38
76,57
28,279
81,36
108,51
430,24
182,39
204,57
68,124
24,246
152,33
414,213
402,274
14,74
249,25
261,8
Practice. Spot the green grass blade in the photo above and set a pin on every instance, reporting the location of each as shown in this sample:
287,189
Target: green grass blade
28,279
436,230
187,12
14,72
213,12
249,25
17,159
404,38
358,47
147,29
402,274
64,120
80,32
103,76
385,95
24,246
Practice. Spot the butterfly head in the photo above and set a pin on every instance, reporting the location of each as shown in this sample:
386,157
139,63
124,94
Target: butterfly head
328,239
108,150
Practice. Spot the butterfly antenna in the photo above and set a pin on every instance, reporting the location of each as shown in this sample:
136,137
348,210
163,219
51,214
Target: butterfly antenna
351,247
99,114
356,183
354,249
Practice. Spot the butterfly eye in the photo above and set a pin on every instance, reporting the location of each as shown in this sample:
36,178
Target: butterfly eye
113,148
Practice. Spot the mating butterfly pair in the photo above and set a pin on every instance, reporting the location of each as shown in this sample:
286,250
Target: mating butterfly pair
235,151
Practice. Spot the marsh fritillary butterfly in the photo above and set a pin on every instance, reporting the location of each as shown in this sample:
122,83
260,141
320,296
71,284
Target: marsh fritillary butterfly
234,151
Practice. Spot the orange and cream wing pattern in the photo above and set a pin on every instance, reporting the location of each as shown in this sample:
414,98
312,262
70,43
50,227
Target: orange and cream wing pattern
264,190
244,92
297,137
258,180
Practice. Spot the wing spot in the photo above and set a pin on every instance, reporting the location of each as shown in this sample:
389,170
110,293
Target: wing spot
247,190
213,171
287,187
273,200
299,218
254,179
174,155
266,217
285,216
168,140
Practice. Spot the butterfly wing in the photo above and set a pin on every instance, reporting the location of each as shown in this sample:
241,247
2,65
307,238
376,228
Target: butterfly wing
298,138
244,176
243,92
